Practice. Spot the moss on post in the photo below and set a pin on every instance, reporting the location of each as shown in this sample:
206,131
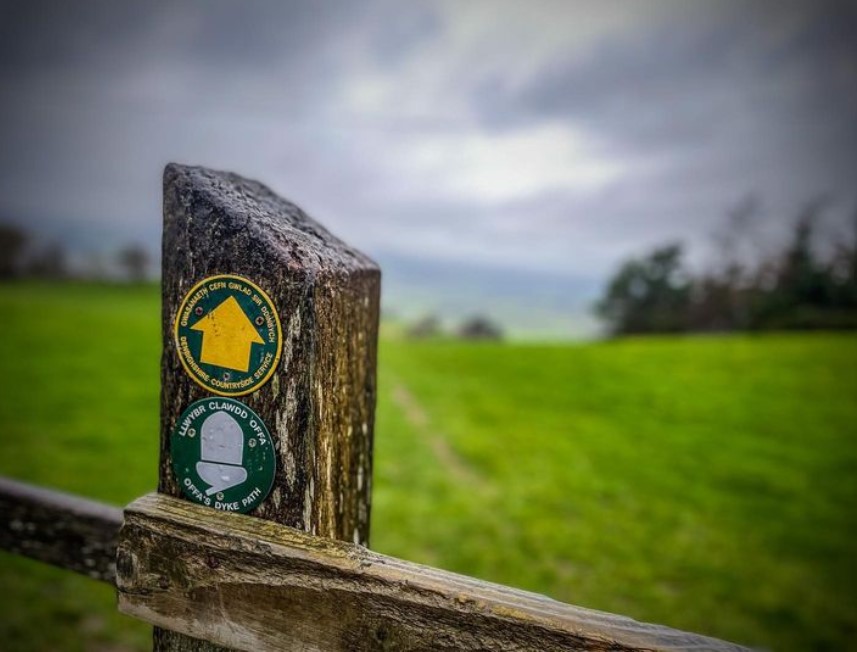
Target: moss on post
319,403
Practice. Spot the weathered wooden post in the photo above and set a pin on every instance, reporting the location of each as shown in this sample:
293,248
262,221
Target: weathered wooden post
233,252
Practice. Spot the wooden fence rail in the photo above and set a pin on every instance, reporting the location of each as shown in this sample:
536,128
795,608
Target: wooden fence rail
248,584
252,585
70,532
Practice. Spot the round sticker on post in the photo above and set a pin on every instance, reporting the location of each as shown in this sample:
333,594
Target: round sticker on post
228,335
223,456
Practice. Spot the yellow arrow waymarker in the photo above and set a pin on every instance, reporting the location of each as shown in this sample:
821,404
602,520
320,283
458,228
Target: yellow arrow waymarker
227,336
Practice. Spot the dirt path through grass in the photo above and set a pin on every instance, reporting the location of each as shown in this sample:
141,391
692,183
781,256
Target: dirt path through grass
417,417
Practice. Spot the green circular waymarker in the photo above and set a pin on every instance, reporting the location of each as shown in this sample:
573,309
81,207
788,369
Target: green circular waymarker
223,456
228,335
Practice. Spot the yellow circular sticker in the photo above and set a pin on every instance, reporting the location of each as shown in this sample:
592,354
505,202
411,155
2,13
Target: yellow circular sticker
228,335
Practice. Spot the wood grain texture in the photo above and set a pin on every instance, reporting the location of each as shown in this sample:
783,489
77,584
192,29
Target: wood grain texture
319,404
70,532
251,585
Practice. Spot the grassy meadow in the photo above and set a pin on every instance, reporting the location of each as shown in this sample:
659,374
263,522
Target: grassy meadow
705,483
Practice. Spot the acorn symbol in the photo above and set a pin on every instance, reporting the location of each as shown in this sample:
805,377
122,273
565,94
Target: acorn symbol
222,453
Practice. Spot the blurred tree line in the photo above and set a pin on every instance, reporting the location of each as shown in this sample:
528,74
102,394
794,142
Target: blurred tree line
799,286
23,256
477,327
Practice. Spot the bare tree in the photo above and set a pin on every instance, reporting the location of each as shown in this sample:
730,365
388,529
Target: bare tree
13,242
735,241
48,261
426,328
480,328
134,259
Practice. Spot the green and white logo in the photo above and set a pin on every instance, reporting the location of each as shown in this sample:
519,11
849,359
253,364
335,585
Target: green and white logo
223,456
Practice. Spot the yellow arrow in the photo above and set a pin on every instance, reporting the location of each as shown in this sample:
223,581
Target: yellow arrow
227,336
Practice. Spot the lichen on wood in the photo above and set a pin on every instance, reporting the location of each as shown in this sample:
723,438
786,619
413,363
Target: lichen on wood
260,587
73,533
319,403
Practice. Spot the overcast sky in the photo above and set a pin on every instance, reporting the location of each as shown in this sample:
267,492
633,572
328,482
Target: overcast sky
545,139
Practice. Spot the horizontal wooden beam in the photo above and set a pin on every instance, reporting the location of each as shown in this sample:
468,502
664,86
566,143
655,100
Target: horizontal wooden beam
249,584
70,532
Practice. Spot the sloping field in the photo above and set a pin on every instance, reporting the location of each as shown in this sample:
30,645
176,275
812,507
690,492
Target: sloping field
707,484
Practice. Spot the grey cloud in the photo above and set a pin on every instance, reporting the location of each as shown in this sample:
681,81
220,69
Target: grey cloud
43,33
760,97
670,80
406,27
699,104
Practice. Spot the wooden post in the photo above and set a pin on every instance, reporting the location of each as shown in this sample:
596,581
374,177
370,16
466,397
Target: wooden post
319,403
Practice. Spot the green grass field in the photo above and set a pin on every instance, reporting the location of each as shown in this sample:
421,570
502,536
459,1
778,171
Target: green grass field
705,483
